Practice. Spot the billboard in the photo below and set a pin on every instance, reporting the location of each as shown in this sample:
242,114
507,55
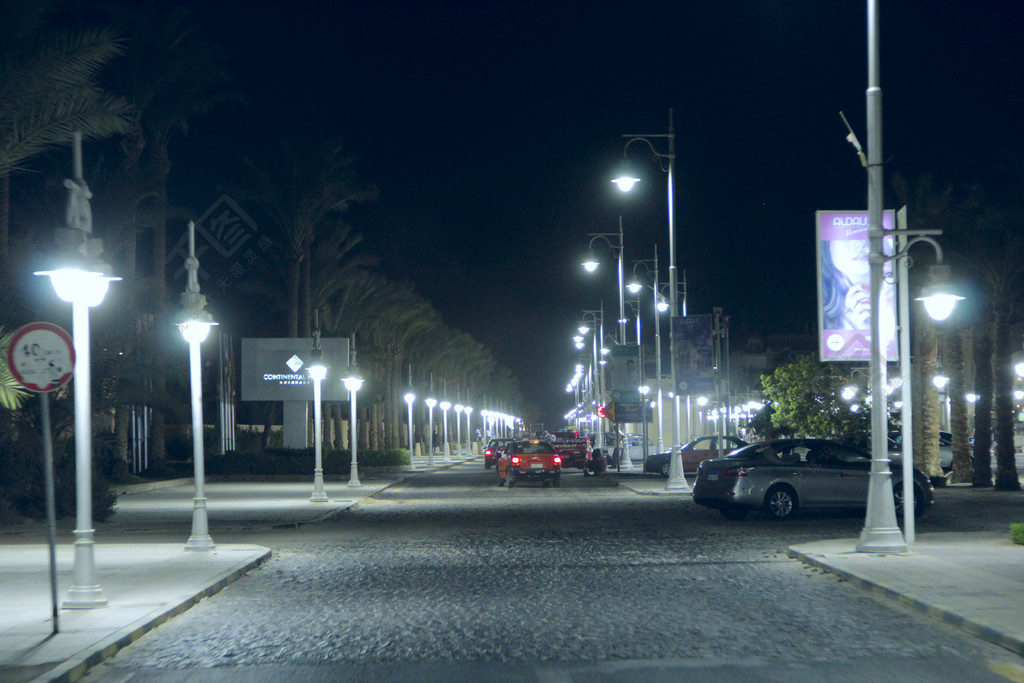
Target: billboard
844,287
694,354
625,373
275,369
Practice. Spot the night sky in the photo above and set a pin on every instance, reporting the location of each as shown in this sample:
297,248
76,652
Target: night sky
492,129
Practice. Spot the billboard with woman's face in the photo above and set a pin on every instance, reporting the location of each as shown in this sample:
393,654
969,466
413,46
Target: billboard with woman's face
844,287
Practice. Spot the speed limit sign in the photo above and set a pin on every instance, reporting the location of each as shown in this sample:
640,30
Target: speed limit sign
41,357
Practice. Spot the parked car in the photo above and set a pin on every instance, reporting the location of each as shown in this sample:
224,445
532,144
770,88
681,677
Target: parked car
493,451
537,460
945,449
783,476
694,453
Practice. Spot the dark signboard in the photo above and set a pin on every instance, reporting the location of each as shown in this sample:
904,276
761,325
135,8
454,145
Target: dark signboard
276,369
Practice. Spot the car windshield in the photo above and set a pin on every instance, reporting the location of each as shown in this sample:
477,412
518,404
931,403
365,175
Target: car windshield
539,448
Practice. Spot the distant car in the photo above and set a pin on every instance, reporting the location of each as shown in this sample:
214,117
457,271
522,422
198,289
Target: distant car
536,460
945,449
783,476
694,453
493,451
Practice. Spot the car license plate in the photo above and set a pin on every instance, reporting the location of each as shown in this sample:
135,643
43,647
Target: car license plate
713,476
537,466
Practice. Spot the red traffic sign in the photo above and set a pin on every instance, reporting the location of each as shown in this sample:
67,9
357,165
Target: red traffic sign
41,357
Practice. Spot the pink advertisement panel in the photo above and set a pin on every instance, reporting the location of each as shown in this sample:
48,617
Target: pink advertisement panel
844,287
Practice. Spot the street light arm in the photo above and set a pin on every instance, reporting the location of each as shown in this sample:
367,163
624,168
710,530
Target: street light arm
647,140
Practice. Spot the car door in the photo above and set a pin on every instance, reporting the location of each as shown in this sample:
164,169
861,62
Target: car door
847,473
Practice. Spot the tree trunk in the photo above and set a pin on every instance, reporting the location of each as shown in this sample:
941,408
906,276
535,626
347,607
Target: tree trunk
982,475
926,400
1003,380
5,222
959,426
158,451
294,277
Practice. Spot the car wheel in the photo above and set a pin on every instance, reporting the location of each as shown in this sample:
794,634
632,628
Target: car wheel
666,469
557,482
735,513
897,495
780,503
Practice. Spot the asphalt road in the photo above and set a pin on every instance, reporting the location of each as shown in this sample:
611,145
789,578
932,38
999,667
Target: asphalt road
448,577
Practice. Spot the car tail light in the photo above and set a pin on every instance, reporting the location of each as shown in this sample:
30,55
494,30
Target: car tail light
488,452
735,472
558,460
515,459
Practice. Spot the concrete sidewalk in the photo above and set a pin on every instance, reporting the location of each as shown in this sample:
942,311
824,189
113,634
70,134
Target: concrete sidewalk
974,581
144,583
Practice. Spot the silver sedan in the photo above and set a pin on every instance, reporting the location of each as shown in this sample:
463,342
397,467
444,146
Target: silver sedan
782,476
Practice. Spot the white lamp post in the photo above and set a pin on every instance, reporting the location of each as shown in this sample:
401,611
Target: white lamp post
445,405
82,283
458,426
195,329
409,399
881,533
318,373
469,429
354,383
431,402
625,182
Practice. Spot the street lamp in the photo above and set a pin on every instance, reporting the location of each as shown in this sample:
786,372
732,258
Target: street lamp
458,426
469,429
881,533
317,372
445,405
195,328
431,402
354,383
409,398
625,182
591,265
659,307
81,281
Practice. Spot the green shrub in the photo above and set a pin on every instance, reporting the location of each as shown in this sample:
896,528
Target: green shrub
22,479
1017,533
300,461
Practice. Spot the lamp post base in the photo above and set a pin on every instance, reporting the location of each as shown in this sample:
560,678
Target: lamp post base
880,540
353,478
319,495
85,592
676,478
200,538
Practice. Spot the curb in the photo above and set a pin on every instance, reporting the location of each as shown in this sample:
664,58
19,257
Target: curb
73,669
1014,644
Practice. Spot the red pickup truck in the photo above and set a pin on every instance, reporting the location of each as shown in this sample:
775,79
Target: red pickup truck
576,452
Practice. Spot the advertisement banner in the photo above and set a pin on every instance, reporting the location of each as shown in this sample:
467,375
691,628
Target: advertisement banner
625,373
693,354
844,287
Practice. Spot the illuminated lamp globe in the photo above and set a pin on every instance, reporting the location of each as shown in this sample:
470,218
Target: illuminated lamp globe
353,383
317,372
79,286
196,331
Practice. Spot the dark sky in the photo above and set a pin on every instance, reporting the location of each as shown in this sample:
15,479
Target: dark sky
492,129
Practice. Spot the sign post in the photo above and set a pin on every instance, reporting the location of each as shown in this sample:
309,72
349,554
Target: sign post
41,358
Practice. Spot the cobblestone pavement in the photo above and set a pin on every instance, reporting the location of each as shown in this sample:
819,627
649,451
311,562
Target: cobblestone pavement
448,577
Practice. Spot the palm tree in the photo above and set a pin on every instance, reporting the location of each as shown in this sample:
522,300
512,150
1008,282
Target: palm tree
170,73
299,192
49,88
